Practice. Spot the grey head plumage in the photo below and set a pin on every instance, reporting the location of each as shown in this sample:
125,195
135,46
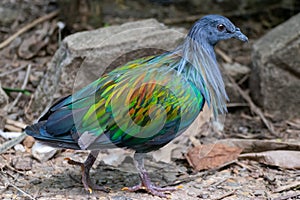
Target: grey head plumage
199,60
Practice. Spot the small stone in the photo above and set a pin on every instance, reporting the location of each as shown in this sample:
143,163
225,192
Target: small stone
19,147
243,129
191,193
198,186
23,163
28,141
203,196
259,192
42,152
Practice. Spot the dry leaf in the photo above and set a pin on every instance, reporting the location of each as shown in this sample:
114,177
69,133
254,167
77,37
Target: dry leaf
283,159
211,156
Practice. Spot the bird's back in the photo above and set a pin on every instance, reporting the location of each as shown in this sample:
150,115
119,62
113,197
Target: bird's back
142,105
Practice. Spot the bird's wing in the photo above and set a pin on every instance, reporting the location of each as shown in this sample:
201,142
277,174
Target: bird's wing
138,102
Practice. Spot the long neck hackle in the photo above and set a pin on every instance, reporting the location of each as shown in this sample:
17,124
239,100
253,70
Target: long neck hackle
199,64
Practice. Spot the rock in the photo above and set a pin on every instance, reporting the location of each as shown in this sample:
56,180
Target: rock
23,162
84,56
236,70
42,152
274,81
28,141
19,147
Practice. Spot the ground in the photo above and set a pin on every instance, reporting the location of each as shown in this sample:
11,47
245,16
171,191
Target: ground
24,177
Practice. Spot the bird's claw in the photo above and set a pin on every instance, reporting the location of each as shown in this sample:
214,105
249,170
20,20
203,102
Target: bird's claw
86,181
152,189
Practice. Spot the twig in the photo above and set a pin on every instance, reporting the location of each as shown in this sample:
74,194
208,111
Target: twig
12,128
253,107
232,105
15,123
27,27
227,58
246,97
296,194
287,187
10,143
215,184
12,71
23,87
225,195
7,165
17,188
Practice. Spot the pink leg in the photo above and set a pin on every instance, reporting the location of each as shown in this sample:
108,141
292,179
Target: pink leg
85,169
145,180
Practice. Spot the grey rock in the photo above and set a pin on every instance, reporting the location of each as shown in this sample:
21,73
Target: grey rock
85,56
19,147
42,152
274,81
236,70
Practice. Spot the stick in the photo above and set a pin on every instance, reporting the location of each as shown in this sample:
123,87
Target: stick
15,123
23,87
10,143
287,187
253,107
17,188
246,97
297,194
12,71
27,27
225,195
227,58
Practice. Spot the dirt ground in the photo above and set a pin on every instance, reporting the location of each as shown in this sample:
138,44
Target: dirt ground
24,177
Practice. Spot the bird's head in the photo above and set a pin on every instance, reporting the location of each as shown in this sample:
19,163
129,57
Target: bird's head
213,28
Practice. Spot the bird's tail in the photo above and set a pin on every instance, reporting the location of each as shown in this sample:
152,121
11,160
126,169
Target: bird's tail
39,132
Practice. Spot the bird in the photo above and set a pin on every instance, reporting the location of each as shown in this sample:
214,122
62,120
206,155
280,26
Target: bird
143,104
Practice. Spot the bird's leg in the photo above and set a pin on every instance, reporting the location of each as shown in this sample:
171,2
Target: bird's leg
85,169
145,180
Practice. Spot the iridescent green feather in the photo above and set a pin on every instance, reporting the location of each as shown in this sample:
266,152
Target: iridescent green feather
126,100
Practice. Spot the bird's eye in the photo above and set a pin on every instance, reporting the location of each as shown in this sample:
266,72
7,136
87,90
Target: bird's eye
221,27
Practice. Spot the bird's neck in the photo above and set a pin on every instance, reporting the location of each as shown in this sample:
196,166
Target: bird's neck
199,65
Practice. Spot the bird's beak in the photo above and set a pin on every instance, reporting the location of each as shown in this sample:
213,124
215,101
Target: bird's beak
240,36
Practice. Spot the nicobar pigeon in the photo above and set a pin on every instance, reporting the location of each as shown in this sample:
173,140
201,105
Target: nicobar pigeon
142,105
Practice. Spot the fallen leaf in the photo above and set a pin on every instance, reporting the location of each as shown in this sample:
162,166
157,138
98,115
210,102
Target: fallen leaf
283,159
211,156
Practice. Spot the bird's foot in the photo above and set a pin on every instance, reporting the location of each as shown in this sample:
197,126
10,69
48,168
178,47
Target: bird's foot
152,189
86,181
